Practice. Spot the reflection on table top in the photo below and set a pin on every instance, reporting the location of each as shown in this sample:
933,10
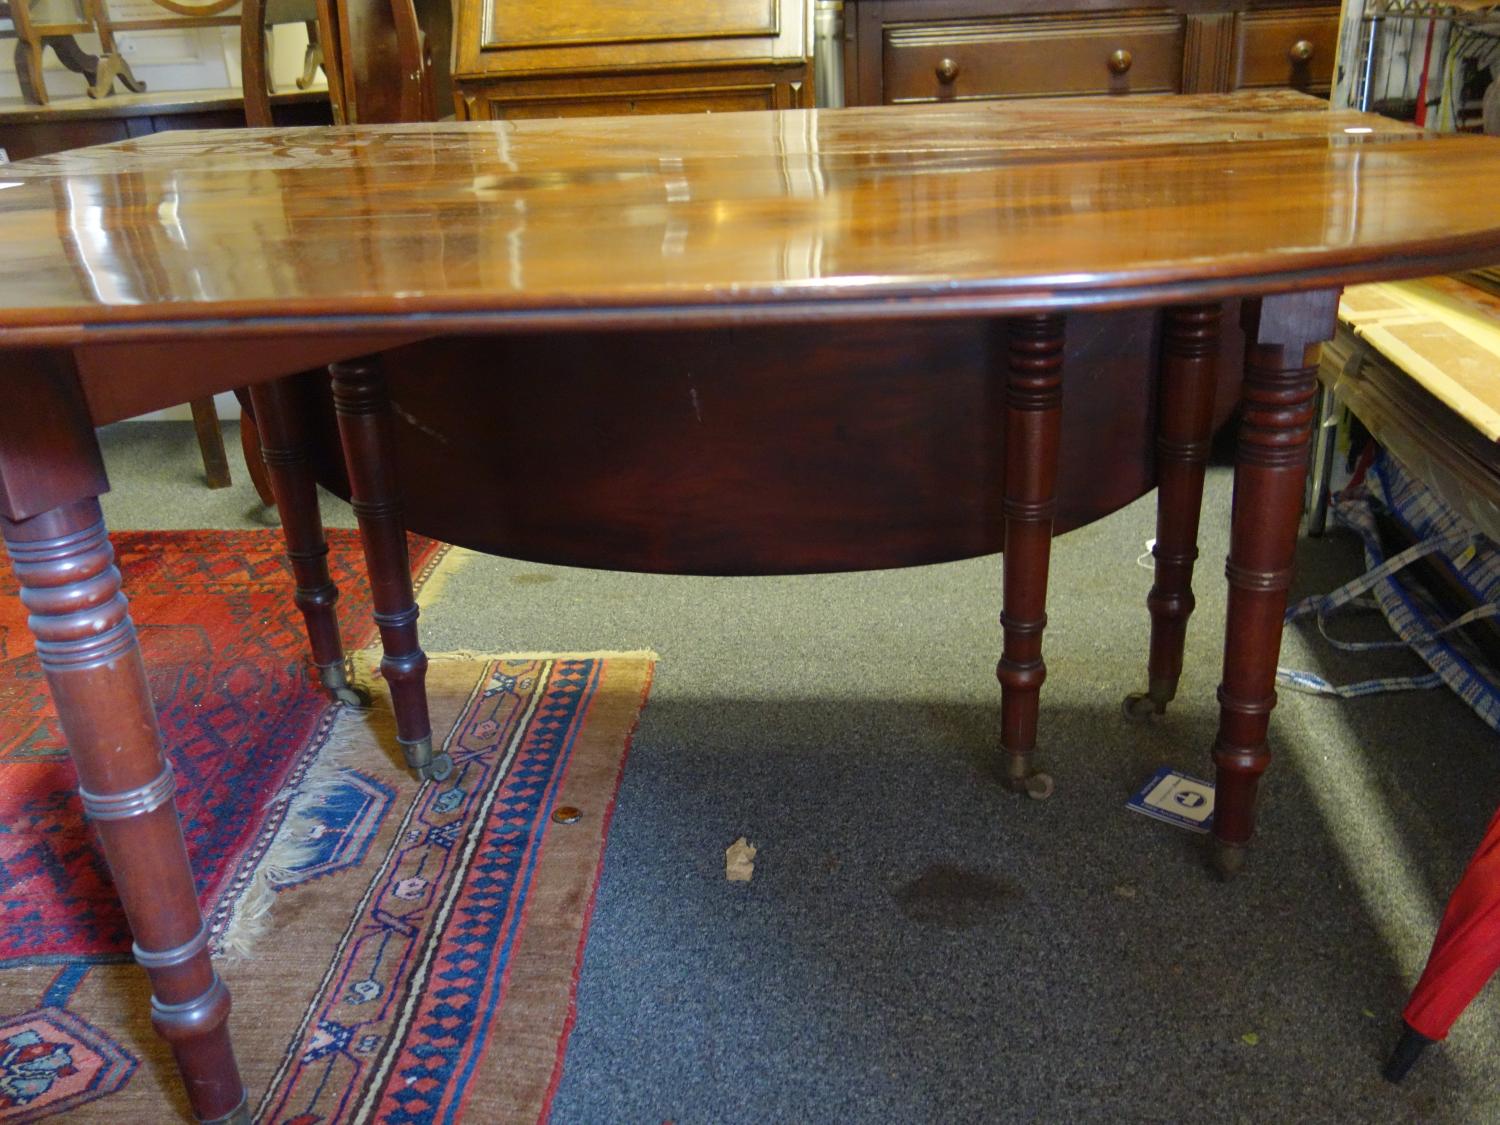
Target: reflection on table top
896,210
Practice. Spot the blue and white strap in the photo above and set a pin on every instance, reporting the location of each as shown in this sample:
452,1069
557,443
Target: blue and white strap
1351,594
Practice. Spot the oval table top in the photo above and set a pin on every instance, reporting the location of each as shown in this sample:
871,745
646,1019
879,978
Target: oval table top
892,211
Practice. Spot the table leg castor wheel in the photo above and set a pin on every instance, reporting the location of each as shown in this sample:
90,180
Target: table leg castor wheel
240,1115
353,695
1039,786
1228,859
1021,778
1139,707
437,769
335,680
1143,705
419,757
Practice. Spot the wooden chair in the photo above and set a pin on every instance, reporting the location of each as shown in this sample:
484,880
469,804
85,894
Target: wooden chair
34,33
255,66
386,60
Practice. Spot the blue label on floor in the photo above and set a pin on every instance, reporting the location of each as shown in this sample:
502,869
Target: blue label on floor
1177,799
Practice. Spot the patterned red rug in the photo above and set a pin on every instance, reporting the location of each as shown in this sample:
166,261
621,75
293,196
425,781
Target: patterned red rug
228,661
419,944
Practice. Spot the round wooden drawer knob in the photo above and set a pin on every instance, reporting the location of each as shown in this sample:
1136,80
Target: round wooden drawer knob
1119,62
1301,51
947,71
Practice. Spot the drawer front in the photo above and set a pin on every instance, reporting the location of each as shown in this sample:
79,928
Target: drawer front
494,105
1031,56
608,95
1293,48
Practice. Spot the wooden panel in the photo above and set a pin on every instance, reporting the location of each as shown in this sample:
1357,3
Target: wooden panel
658,453
593,36
703,99
123,380
697,91
1033,55
1271,46
48,455
1208,54
579,23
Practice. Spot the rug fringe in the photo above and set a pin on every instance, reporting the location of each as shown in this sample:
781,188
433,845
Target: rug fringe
251,917
367,660
599,654
452,560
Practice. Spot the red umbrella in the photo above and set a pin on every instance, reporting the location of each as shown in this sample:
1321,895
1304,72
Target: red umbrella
1465,954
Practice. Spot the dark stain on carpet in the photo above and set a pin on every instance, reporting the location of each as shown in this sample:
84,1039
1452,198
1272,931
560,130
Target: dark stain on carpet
955,898
532,578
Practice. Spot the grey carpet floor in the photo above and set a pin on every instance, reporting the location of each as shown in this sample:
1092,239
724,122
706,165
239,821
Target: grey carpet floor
919,946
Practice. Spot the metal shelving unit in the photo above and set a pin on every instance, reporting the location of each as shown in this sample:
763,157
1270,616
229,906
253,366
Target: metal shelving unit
1411,57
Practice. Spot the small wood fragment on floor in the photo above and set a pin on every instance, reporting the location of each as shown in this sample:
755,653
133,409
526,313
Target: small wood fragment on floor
739,861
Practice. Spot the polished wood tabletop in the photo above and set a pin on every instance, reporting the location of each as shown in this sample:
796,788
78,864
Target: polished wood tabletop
1013,206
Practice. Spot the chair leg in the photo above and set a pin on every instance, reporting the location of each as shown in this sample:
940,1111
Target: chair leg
210,442
312,58
29,71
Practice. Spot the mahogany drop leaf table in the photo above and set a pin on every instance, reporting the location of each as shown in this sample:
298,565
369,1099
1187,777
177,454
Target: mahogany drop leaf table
793,286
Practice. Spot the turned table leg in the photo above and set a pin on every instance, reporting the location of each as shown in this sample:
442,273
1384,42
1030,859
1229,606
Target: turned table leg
366,427
281,419
1282,337
87,647
1190,348
51,476
1033,414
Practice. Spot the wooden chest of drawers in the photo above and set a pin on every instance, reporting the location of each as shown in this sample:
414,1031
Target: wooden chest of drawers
1287,47
1022,56
940,50
564,58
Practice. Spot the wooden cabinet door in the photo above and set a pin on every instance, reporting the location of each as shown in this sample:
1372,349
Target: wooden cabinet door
516,37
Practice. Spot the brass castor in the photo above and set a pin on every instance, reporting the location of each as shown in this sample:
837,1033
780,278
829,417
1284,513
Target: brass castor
335,680
353,695
1139,707
1228,859
419,757
437,769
